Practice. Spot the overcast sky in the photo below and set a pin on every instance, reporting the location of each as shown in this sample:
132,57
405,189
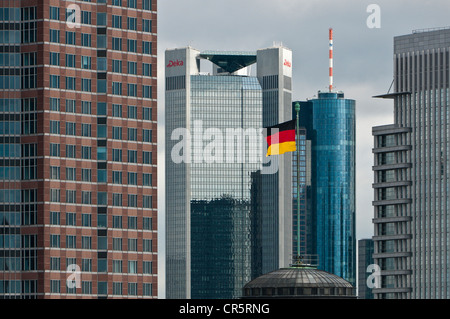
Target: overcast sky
362,57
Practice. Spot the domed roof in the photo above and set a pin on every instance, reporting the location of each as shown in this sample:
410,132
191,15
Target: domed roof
298,282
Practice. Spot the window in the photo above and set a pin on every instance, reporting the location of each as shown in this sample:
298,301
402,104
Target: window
55,104
101,64
55,286
86,220
147,179
117,288
54,58
86,85
147,4
70,37
132,178
132,156
146,69
117,244
86,287
147,201
70,83
117,88
54,13
71,219
132,67
117,66
117,177
117,21
86,130
101,153
117,222
86,174
147,157
86,197
132,288
147,91
132,89
132,200
117,44
55,241
55,263
101,86
147,289
147,245
132,244
132,23
147,223
132,134
117,199
86,107
102,198
71,128
147,113
86,152
54,81
117,3
101,108
86,263
55,127
132,222
147,136
71,241
117,132
101,18
70,60
54,36
86,39
54,149
117,110
85,17
117,266
146,47
55,218
71,174
102,244
116,155
71,196
131,4
71,151
86,62
132,264
146,25
102,174
131,45
71,106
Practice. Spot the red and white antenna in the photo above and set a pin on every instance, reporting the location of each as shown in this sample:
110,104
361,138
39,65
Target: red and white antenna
331,59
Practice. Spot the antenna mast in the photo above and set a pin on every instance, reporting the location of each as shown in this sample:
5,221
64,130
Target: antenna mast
331,58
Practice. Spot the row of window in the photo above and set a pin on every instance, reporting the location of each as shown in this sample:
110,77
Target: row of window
86,86
86,221
86,18
102,198
102,288
86,108
86,41
86,153
102,243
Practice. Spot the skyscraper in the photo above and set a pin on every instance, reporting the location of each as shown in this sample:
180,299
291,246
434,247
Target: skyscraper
216,236
329,121
411,172
78,149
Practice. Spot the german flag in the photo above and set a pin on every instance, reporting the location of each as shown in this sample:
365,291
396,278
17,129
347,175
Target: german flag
281,138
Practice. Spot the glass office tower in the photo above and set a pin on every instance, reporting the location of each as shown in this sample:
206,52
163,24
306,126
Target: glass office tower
329,121
213,160
411,206
78,149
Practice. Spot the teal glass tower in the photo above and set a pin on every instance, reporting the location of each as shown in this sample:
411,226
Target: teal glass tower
329,121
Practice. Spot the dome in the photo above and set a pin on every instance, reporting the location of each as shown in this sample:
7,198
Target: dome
299,282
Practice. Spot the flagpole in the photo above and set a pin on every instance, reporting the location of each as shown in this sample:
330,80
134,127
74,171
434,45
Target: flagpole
297,110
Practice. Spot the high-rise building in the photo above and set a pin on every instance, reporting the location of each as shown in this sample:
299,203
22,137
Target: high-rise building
366,269
78,149
226,213
328,214
411,171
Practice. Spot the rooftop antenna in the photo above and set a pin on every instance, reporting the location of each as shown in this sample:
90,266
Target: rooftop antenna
331,58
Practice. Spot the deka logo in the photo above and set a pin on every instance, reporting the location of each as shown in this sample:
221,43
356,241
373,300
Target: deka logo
174,63
287,63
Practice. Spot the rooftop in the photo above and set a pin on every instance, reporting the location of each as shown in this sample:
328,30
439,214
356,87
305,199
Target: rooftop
230,61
